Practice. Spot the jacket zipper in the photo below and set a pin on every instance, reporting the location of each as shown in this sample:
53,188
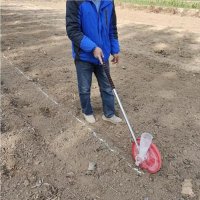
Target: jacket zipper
98,14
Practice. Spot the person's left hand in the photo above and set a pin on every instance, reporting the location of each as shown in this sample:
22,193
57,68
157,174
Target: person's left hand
115,59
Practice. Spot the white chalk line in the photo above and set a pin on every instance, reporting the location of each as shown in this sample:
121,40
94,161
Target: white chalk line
39,88
79,120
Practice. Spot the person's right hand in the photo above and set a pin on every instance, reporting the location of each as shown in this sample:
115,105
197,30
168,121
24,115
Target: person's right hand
98,53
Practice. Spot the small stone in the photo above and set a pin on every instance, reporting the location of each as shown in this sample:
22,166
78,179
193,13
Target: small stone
198,175
187,188
47,184
37,162
26,183
92,166
70,174
123,67
32,178
71,182
38,183
28,161
10,164
170,177
187,162
88,173
12,145
151,179
151,191
185,152
160,48
115,171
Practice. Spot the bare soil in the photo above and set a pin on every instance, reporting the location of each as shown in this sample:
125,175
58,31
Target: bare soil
45,147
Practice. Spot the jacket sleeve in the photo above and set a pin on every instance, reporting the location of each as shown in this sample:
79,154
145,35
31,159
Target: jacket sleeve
73,27
113,34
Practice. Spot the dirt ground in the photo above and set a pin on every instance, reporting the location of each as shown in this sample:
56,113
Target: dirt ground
46,147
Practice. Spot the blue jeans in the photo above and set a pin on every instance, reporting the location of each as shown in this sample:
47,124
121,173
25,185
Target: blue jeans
84,74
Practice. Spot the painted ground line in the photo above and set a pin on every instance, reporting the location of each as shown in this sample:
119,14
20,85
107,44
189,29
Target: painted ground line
114,151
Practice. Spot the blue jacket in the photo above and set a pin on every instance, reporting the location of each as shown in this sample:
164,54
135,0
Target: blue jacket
87,28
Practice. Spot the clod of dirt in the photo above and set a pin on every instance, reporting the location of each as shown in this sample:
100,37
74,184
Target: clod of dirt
45,111
8,169
37,162
10,164
16,102
32,178
198,175
26,68
184,54
35,79
5,171
45,191
38,183
48,74
161,48
91,168
171,177
51,189
88,197
187,188
26,183
70,175
187,162
5,90
101,148
4,127
135,108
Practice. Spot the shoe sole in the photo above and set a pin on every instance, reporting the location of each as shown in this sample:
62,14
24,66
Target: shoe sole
88,121
108,120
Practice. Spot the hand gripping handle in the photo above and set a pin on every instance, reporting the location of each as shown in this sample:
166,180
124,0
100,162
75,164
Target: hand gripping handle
107,71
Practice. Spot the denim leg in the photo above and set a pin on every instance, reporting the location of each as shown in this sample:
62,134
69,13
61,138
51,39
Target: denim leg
84,75
106,91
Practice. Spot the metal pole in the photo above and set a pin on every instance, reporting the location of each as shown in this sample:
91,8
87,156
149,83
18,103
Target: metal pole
126,118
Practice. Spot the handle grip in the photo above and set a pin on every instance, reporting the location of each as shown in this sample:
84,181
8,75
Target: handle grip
107,71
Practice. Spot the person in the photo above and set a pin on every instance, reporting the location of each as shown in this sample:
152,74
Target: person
91,26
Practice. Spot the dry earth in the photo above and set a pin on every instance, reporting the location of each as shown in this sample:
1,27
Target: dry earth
46,149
